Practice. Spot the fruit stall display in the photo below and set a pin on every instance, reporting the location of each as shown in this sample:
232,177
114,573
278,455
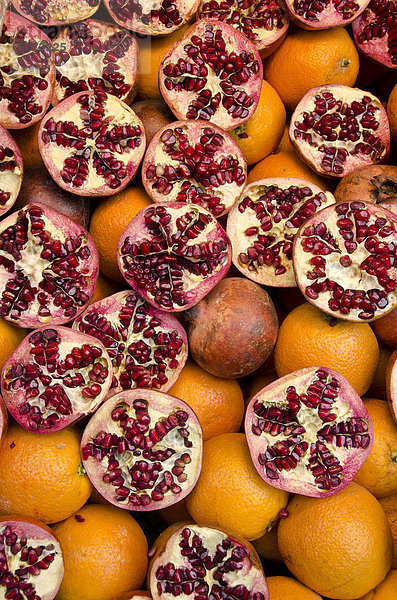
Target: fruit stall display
198,299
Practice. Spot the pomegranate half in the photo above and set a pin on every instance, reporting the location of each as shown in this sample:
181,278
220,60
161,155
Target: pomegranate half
55,12
11,170
374,32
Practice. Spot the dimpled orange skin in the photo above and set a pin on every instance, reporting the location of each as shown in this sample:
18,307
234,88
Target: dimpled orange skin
229,493
389,505
283,588
387,590
340,546
105,553
41,474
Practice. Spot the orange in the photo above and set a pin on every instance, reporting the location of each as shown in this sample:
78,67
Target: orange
267,545
134,595
105,553
260,135
285,164
10,338
41,475
386,590
104,287
378,385
109,219
389,505
28,144
151,52
385,328
308,337
217,402
258,382
339,546
392,112
285,142
307,59
379,472
174,513
229,493
281,588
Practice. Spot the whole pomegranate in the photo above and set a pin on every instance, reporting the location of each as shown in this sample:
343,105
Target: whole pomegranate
374,183
233,330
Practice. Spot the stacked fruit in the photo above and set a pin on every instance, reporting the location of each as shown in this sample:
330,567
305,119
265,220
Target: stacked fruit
198,303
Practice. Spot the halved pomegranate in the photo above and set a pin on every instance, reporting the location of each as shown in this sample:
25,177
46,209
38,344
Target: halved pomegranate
264,22
375,30
263,223
308,432
213,73
54,378
199,562
142,450
95,55
92,143
48,267
345,260
322,14
148,347
336,129
152,17
31,561
192,161
173,254
55,12
27,72
11,169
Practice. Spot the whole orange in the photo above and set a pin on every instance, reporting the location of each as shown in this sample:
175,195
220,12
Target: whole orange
308,337
229,492
41,475
285,142
105,553
340,546
386,590
389,505
392,112
217,402
109,219
10,338
267,545
104,287
281,588
307,59
285,164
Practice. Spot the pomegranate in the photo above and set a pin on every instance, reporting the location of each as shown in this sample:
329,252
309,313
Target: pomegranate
263,223
154,114
376,184
11,169
337,129
92,143
233,330
27,72
173,254
322,14
391,384
199,562
192,161
48,267
148,347
374,32
135,595
31,561
3,419
55,12
308,432
54,378
152,17
95,55
142,450
344,260
213,73
264,22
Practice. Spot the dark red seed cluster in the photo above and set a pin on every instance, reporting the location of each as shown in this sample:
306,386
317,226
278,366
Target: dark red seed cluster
311,10
382,24
7,163
38,9
167,13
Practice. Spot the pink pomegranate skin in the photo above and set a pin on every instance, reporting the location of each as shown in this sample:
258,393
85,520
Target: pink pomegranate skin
53,12
324,14
308,432
142,450
374,32
11,171
3,419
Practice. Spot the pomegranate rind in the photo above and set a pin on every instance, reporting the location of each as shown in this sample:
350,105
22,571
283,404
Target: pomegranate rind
242,97
391,384
248,578
103,320
314,470
83,162
330,16
183,12
246,18
366,261
3,419
270,262
40,99
376,184
134,595
220,187
159,407
371,142
11,171
24,356
37,534
21,276
377,20
198,275
57,13
85,71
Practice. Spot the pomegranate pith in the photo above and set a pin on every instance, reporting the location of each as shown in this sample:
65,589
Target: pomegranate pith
11,169
322,14
53,12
